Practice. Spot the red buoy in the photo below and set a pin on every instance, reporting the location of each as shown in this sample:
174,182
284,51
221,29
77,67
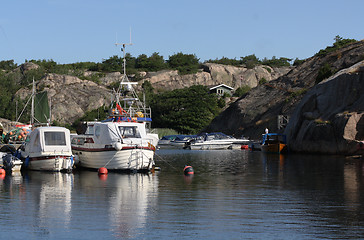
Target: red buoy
188,170
102,170
244,147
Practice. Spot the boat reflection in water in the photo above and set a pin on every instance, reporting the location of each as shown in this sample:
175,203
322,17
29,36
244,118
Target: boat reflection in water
124,197
53,190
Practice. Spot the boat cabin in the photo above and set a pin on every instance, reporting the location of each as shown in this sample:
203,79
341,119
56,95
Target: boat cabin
273,138
45,140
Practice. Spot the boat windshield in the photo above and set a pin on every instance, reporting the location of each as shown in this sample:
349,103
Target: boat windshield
129,132
54,138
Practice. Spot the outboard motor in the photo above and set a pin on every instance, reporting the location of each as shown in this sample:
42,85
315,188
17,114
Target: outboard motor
8,161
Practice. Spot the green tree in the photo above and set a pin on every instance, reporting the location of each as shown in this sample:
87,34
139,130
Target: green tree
250,61
339,43
8,65
185,110
156,62
184,63
226,61
153,63
277,62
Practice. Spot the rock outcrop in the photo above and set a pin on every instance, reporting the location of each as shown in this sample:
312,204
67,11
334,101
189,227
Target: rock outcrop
214,74
70,96
330,117
260,107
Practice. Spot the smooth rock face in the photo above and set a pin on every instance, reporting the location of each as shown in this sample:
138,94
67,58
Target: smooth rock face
330,118
215,74
262,105
70,97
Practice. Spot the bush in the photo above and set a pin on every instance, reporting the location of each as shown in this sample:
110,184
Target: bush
263,81
324,72
339,43
240,91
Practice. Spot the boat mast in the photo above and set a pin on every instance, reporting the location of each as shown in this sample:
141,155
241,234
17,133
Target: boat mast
32,110
124,79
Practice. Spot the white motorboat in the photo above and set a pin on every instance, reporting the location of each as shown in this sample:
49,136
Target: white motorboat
210,141
122,141
115,146
165,141
49,149
181,140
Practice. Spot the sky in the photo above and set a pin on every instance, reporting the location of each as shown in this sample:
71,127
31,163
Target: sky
70,31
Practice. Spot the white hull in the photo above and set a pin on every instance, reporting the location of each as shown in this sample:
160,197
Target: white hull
55,164
130,159
210,146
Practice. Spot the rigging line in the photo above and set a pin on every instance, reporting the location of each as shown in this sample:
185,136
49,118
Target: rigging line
160,157
109,160
24,108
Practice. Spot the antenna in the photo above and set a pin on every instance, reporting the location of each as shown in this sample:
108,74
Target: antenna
124,79
123,50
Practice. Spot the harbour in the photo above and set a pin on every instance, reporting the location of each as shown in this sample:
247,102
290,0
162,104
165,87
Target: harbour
236,193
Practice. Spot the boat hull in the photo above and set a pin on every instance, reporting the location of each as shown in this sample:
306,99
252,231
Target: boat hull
219,146
274,148
50,163
124,159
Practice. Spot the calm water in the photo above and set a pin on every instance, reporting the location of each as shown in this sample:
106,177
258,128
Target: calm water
233,195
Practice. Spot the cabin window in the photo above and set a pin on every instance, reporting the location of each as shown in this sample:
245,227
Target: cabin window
36,140
90,130
220,92
97,131
54,138
129,132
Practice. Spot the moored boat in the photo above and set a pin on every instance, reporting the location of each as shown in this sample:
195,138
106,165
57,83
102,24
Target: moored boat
274,143
48,149
115,146
209,141
180,140
166,140
122,141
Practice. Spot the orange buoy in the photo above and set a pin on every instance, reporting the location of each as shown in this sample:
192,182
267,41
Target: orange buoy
188,170
2,171
102,170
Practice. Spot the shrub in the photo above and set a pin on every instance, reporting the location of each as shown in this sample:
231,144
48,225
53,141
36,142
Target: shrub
324,72
263,81
240,91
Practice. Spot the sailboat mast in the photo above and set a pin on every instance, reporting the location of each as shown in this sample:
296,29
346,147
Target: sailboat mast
32,110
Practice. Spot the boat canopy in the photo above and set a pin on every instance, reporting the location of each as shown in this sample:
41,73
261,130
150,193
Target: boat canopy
107,132
45,140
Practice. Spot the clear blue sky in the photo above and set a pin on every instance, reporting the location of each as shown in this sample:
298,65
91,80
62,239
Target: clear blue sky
69,31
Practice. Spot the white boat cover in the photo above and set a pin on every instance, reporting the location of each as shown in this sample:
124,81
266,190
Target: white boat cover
45,141
108,132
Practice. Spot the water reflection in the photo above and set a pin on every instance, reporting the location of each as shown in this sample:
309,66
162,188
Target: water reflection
125,197
327,189
240,194
52,192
